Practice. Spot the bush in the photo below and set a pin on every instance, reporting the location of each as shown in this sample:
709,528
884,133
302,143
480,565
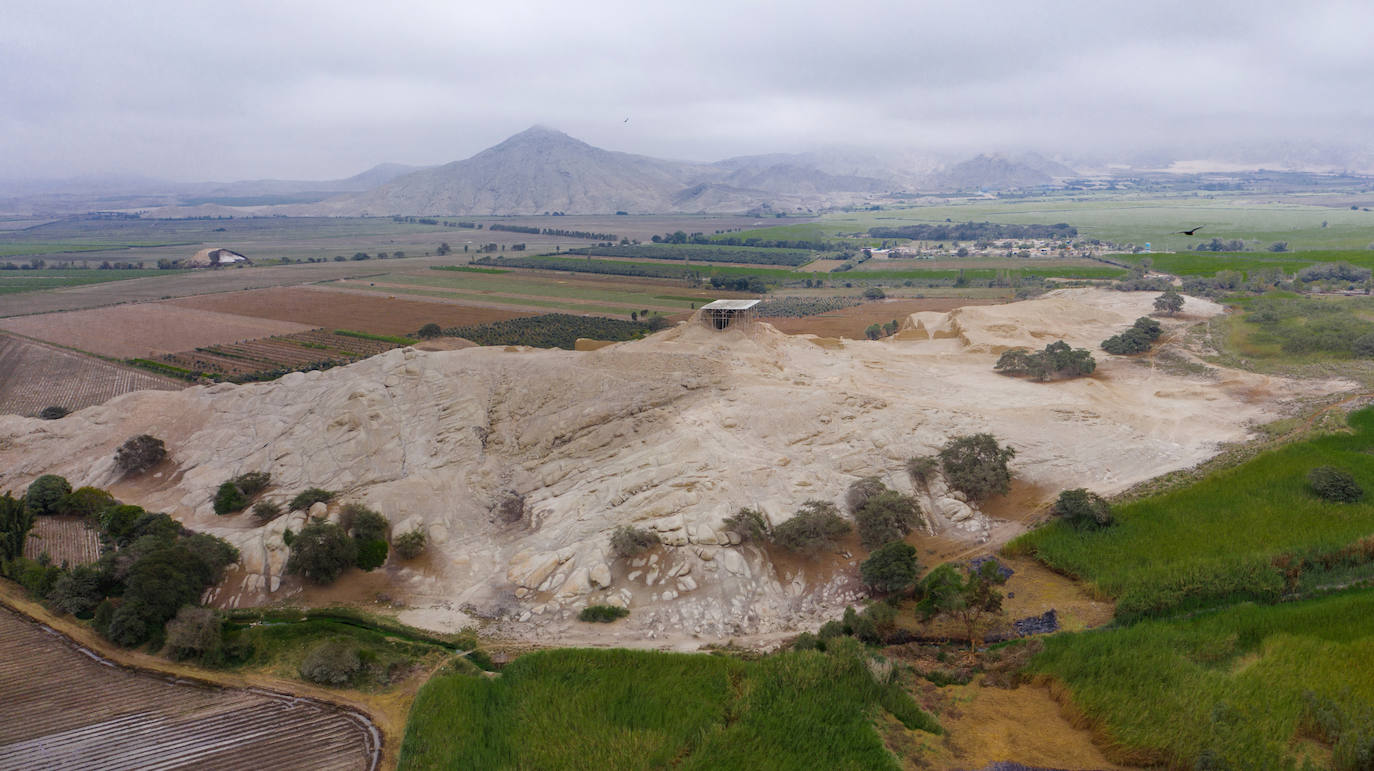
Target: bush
430,331
1082,509
874,293
54,413
371,553
603,614
750,524
814,527
1137,339
229,498
410,545
922,469
977,466
320,552
860,491
139,454
309,497
87,502
252,482
1057,360
1334,484
891,568
511,508
887,516
363,523
195,633
332,662
266,510
77,591
1170,302
627,541
44,497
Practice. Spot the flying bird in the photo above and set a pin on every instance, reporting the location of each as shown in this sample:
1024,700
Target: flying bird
627,120
1189,232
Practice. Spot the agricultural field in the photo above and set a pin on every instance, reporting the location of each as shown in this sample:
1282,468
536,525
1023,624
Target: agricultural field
1209,263
851,321
325,306
144,330
66,541
270,357
797,709
554,330
704,253
17,281
63,708
34,376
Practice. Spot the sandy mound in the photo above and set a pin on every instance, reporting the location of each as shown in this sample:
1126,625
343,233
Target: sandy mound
673,432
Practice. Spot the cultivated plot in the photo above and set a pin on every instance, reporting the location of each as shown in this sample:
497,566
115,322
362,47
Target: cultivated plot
150,329
34,376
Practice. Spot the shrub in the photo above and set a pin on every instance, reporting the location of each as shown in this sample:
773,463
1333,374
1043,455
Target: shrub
15,521
139,454
627,541
1057,360
1082,509
430,331
266,510
229,498
87,502
603,614
309,497
511,508
860,491
977,466
77,591
1334,484
1136,339
874,293
320,552
332,662
195,633
410,545
814,527
44,497
253,482
117,521
922,469
371,553
887,516
54,413
363,523
749,523
1170,302
890,568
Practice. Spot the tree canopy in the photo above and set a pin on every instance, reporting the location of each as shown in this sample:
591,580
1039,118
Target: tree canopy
977,466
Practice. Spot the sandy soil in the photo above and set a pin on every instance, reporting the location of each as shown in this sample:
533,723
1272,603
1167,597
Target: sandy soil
361,311
144,330
852,321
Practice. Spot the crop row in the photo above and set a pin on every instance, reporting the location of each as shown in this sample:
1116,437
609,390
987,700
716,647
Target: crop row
270,357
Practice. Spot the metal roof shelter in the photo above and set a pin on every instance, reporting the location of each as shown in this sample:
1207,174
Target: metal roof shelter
723,314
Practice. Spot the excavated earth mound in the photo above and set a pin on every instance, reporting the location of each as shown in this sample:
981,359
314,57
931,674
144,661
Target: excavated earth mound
674,432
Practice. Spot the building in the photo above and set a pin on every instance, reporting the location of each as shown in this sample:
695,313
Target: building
215,257
725,314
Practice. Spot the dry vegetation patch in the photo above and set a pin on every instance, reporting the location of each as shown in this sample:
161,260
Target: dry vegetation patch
130,331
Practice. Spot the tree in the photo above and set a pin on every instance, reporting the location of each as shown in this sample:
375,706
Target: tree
873,332
77,591
969,596
750,524
44,497
87,502
874,293
1082,509
977,466
320,552
229,498
860,491
15,521
628,541
1279,246
266,510
371,553
252,482
887,516
139,454
195,633
890,568
411,544
1056,360
1170,302
430,331
332,662
921,469
1136,339
815,526
309,497
363,523
1334,484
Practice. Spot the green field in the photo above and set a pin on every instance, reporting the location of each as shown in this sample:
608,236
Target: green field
1234,689
1255,531
620,709
1208,263
15,281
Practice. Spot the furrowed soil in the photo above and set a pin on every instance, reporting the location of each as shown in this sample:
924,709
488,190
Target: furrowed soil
66,540
852,321
65,708
363,312
34,376
144,330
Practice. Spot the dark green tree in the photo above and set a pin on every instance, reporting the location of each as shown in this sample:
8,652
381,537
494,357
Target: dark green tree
430,330
890,568
44,497
750,524
966,595
1170,302
320,552
977,466
15,521
815,526
885,517
1082,509
229,498
140,453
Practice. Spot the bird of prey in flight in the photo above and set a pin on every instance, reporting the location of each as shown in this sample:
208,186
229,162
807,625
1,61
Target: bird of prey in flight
1189,232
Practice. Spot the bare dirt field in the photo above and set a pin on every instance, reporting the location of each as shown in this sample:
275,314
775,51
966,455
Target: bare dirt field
34,376
146,329
851,322
66,540
322,307
64,708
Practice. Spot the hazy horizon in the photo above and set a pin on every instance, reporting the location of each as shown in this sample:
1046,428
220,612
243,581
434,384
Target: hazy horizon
317,91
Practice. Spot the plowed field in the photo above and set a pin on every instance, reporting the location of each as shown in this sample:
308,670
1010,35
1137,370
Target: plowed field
272,356
144,330
65,708
66,540
34,376
851,322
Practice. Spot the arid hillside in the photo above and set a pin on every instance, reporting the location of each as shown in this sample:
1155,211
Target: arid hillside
674,432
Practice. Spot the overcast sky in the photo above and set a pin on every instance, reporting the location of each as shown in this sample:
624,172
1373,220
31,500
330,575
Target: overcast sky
196,90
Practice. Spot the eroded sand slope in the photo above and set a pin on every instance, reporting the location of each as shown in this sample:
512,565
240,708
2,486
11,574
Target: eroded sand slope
674,432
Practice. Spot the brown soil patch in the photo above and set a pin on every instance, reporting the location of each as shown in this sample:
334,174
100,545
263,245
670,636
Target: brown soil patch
66,540
851,322
148,329
1022,725
320,307
34,376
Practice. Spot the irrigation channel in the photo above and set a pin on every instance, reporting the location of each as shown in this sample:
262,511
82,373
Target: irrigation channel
63,705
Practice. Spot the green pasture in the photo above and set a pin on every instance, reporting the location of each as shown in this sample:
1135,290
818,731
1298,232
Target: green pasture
1253,531
1209,263
1239,688
621,709
15,281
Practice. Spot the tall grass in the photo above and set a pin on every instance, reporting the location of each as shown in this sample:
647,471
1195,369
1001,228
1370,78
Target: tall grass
1223,690
1252,532
621,709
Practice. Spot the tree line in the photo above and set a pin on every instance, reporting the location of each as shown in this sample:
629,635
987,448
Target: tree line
975,231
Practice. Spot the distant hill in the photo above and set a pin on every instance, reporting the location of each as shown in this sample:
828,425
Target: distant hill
998,172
